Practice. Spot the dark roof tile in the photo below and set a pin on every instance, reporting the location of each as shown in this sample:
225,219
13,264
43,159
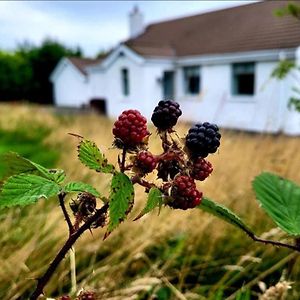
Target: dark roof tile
242,28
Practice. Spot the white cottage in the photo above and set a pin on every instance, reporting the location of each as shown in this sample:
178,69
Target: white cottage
217,65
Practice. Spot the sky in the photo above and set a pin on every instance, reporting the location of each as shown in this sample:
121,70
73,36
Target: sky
92,25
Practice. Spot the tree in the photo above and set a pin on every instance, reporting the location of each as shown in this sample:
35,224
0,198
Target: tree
42,61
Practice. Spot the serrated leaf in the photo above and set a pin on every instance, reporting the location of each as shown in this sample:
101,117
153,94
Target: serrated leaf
80,187
26,189
280,198
223,213
91,156
14,164
154,200
120,200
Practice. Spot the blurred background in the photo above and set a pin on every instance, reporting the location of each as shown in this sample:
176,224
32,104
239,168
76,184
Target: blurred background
75,66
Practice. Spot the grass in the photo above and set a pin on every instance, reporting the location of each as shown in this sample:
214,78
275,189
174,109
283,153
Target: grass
177,255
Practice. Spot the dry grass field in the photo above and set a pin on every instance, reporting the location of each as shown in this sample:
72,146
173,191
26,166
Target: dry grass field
176,255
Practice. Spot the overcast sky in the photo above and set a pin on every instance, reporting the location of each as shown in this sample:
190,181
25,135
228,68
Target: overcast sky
91,25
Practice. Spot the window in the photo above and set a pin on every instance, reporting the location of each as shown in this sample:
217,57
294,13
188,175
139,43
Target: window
243,79
125,81
191,80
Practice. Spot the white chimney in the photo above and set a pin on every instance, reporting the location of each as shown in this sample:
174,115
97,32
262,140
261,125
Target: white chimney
136,22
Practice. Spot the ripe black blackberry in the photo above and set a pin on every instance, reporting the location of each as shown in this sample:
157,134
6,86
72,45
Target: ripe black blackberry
184,193
145,162
168,169
201,169
203,139
166,114
130,129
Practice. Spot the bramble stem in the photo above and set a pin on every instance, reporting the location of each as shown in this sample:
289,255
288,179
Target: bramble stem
274,243
61,197
122,166
64,250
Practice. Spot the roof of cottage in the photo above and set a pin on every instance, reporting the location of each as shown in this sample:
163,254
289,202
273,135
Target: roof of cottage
239,29
82,63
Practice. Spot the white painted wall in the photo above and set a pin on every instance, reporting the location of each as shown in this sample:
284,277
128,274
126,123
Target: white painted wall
110,87
265,111
292,117
215,103
71,88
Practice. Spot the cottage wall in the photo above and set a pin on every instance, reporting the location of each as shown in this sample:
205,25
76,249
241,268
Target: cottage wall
71,89
261,112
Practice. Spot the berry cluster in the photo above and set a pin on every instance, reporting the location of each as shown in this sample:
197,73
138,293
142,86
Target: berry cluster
203,139
184,193
179,165
166,114
130,129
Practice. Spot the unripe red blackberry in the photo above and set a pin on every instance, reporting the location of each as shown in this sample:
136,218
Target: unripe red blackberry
184,193
203,139
201,169
145,162
65,297
131,128
168,169
87,295
166,114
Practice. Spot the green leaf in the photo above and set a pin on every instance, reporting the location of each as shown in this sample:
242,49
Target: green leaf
14,164
120,200
154,200
280,198
80,187
90,155
25,189
224,213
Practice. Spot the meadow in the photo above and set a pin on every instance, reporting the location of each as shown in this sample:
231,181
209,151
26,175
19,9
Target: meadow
174,255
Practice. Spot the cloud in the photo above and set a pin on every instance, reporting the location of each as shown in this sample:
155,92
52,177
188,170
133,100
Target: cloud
21,21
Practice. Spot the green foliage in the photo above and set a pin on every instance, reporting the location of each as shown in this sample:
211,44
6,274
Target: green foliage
223,213
26,189
279,197
120,200
80,187
28,141
15,76
283,68
25,73
14,164
291,9
91,156
154,200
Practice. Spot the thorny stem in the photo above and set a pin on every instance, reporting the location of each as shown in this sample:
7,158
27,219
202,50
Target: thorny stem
137,179
61,197
164,139
42,281
122,166
274,243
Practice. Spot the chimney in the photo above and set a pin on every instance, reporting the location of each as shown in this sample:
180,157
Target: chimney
136,22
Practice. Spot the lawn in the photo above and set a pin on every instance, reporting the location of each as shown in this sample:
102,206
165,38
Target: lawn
176,255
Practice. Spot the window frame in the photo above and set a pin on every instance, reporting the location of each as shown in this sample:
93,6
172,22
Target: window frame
234,89
185,77
125,81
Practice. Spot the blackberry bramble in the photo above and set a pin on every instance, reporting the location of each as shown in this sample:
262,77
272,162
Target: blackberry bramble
130,130
202,139
184,193
166,114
